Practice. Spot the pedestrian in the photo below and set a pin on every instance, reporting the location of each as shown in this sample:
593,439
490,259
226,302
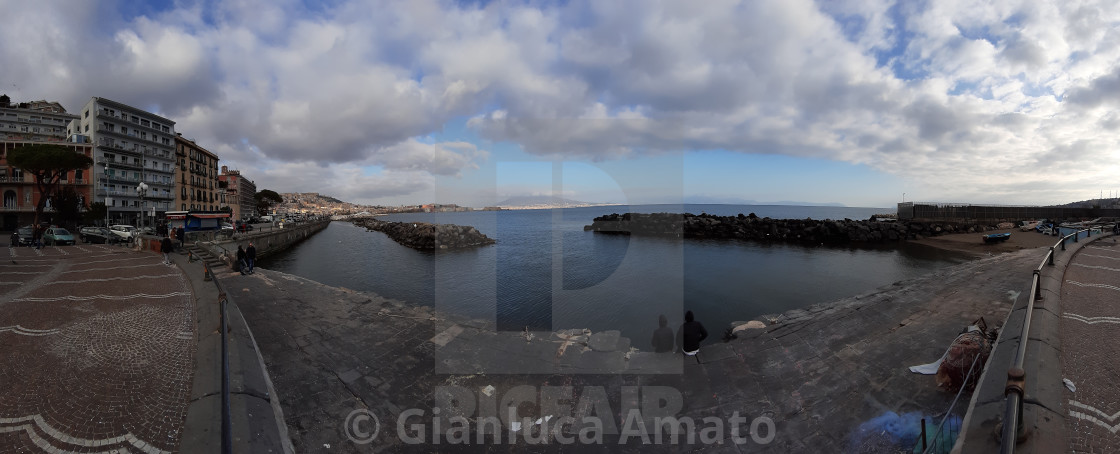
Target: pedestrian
37,237
251,256
179,235
690,335
241,266
663,336
165,247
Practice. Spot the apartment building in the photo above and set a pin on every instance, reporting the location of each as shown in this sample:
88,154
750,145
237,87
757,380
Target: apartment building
196,176
132,146
240,193
34,123
20,194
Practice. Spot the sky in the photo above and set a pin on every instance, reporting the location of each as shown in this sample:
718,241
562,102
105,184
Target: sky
862,103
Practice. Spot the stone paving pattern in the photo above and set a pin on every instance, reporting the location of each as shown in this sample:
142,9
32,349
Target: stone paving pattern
1090,336
820,373
96,350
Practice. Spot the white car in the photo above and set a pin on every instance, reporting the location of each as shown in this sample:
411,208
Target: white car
124,232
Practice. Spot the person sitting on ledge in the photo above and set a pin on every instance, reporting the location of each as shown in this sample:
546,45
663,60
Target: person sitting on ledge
690,335
663,336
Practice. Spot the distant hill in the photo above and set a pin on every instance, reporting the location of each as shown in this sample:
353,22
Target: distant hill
541,201
705,200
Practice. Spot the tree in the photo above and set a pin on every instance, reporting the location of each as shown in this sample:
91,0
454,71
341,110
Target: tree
266,198
68,206
49,163
96,213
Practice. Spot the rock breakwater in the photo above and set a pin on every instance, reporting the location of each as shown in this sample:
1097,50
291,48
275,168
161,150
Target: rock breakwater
752,227
421,235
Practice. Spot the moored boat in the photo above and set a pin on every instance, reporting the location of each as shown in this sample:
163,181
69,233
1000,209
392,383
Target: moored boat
996,237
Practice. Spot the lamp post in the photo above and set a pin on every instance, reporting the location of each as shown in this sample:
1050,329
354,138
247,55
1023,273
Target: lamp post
142,190
106,197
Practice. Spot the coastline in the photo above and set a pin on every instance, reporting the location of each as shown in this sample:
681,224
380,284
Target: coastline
971,243
822,373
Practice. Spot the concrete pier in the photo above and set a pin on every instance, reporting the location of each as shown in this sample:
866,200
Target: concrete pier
827,378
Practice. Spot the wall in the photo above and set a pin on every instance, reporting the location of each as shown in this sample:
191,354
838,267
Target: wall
266,241
961,211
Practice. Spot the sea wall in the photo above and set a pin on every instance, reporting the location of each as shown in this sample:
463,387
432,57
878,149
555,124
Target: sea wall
751,227
421,235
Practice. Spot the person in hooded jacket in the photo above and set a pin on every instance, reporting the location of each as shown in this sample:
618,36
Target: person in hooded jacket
663,336
690,335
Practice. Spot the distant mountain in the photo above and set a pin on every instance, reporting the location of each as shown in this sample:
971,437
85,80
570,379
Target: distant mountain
541,201
721,200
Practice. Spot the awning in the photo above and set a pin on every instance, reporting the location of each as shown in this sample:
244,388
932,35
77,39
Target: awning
209,215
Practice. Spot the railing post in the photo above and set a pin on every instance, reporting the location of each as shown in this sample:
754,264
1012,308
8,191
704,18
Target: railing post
1063,243
1038,282
1051,255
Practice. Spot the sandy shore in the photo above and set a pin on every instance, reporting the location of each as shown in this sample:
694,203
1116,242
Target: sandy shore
973,243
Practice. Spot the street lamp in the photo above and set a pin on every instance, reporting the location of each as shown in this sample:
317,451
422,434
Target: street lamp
142,190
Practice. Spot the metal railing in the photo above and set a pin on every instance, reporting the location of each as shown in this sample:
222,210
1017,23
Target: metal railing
227,424
1013,431
941,443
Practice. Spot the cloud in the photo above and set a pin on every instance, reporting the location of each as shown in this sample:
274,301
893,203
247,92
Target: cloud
955,94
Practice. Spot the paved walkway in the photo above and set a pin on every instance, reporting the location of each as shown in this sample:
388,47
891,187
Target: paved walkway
830,378
96,351
1090,336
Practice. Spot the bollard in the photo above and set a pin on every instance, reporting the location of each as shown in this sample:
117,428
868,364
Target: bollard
1038,278
1051,256
1063,243
206,273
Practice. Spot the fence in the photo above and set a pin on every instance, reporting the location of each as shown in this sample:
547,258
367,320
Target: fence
962,211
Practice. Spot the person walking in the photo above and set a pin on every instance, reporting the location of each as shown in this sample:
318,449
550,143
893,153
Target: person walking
690,335
251,256
179,235
241,266
37,237
166,247
663,336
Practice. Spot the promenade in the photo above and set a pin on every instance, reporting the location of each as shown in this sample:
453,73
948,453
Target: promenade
828,378
1090,339
96,351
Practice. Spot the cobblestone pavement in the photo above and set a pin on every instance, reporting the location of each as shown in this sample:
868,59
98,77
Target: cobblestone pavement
1090,336
96,351
830,378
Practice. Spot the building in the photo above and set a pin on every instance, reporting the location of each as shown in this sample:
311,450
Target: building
20,194
196,176
132,146
36,121
32,123
240,193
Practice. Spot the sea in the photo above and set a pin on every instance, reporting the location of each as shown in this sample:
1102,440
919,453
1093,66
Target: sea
546,273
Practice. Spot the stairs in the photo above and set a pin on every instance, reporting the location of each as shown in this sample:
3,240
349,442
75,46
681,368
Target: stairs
198,252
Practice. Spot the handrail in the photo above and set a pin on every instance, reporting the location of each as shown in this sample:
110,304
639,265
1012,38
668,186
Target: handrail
227,425
949,412
1013,430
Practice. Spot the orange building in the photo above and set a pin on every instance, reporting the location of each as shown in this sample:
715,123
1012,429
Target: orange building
20,196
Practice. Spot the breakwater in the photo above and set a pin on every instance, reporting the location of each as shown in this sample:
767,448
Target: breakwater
421,235
751,227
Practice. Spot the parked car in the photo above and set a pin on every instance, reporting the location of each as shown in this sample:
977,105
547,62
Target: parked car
243,226
123,232
99,235
58,235
26,235
227,226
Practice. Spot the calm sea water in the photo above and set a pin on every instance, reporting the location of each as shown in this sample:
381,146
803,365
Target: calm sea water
546,273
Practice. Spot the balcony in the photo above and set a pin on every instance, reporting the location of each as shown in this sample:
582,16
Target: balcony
17,207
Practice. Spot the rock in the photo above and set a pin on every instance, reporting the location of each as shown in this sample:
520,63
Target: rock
606,341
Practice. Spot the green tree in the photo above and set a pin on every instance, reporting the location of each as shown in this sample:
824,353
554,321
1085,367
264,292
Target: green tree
266,199
49,163
95,214
67,206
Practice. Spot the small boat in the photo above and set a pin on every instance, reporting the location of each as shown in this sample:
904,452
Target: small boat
996,237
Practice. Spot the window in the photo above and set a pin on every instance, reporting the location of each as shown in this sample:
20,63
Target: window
145,123
135,119
87,127
78,174
85,114
165,129
124,130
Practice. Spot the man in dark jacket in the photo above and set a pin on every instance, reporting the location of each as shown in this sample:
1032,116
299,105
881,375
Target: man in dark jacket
690,335
165,247
241,266
663,336
250,256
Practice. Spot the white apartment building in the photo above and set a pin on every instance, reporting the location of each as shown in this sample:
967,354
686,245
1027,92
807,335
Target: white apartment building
132,146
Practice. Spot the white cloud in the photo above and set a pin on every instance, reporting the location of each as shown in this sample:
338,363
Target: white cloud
963,96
